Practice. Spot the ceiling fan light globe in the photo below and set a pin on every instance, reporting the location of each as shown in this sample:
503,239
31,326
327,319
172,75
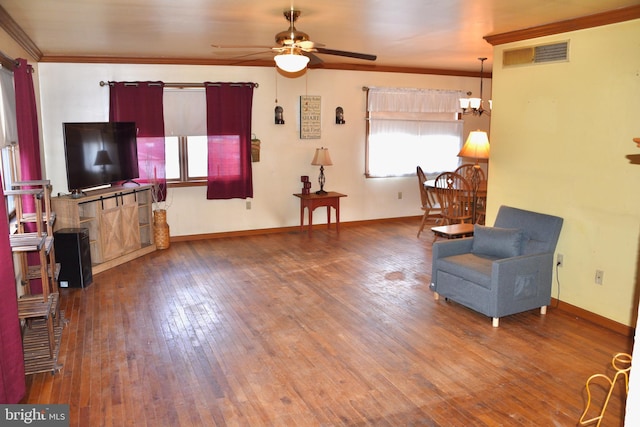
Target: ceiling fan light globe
291,63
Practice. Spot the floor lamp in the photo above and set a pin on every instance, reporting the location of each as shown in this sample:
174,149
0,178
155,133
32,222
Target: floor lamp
476,147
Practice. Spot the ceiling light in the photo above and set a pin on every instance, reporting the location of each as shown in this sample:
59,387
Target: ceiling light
475,105
292,61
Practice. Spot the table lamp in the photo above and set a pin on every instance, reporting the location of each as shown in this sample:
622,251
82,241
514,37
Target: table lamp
322,159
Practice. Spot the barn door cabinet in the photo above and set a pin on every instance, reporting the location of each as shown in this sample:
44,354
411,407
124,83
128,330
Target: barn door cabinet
119,220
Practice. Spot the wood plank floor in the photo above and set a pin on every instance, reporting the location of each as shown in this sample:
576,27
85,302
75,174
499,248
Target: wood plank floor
286,330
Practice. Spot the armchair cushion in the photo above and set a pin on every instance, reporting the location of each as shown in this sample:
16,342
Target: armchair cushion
497,242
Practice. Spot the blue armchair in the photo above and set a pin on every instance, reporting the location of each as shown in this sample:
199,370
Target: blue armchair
501,270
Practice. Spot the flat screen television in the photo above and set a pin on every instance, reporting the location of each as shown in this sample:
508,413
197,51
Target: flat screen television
100,153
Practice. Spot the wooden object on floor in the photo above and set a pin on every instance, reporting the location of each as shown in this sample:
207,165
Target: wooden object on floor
35,344
311,201
272,330
119,221
453,231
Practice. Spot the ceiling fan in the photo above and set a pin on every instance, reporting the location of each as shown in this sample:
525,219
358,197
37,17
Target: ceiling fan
295,50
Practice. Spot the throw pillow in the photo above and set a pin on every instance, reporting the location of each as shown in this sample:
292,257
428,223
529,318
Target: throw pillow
497,242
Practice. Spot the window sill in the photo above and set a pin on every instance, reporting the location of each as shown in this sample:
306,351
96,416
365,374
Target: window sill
181,184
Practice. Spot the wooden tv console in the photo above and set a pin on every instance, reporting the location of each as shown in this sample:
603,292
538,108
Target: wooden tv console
119,220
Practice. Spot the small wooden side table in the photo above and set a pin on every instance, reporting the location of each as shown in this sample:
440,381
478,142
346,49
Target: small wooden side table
311,201
453,231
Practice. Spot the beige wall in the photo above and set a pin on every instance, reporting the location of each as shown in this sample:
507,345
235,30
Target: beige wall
559,136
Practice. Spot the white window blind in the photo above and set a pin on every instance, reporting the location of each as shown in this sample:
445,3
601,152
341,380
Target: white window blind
185,111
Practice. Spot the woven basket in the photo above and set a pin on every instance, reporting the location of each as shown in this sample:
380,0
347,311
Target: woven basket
160,229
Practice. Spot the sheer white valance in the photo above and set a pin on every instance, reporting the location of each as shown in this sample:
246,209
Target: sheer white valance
384,99
8,124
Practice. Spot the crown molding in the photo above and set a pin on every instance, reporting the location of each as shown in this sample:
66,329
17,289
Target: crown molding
584,22
17,33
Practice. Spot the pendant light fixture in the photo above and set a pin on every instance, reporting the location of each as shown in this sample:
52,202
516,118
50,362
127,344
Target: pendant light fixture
475,106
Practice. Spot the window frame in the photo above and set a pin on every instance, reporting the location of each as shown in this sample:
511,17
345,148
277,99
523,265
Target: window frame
415,111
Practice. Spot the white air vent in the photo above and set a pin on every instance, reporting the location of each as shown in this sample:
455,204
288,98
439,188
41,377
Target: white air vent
536,54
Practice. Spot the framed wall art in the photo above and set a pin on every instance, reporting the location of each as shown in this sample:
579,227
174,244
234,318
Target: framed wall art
310,117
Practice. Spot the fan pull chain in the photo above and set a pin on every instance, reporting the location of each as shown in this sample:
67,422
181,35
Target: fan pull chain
276,75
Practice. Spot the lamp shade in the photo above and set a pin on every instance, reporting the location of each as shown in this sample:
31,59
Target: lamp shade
291,62
322,157
102,158
476,146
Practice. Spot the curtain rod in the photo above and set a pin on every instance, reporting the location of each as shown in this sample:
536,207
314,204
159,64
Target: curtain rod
182,85
7,62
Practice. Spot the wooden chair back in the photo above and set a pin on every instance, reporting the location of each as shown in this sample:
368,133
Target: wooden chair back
468,171
429,201
455,197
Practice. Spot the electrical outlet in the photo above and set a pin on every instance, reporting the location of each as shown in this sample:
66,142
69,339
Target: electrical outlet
248,204
599,277
560,260
399,195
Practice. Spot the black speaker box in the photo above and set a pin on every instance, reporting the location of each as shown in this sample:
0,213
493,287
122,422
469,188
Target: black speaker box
74,255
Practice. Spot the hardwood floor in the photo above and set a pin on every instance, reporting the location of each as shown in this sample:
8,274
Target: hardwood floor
285,330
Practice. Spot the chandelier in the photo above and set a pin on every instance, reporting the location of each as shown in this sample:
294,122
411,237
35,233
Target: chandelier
475,105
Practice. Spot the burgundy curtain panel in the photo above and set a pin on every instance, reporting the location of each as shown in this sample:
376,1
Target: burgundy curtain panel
229,140
12,387
29,143
12,379
141,102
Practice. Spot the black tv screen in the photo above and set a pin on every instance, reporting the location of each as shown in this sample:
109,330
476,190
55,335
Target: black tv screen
100,153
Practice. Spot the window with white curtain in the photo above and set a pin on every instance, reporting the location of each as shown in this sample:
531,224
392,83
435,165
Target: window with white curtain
411,127
185,122
8,134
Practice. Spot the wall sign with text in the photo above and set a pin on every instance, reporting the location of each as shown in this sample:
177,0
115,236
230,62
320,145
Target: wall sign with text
309,117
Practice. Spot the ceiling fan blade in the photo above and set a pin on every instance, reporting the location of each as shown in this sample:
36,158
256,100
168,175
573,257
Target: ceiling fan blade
365,56
244,55
239,46
313,59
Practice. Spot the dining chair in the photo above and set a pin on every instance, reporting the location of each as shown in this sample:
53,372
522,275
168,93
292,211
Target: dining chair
469,171
476,177
455,196
428,200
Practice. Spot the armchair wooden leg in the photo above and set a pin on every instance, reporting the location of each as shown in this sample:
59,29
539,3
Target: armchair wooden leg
436,296
543,309
495,322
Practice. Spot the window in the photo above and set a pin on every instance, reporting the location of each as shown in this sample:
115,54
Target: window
8,135
185,121
186,158
411,127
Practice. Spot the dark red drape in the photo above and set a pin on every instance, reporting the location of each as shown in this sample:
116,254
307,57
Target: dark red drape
27,120
141,102
29,145
12,381
229,140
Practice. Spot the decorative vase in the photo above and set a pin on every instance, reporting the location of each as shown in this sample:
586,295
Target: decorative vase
160,229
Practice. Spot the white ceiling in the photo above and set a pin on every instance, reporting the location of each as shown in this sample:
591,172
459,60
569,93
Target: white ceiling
433,34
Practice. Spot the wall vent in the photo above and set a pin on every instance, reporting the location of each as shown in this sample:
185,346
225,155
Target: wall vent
536,54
